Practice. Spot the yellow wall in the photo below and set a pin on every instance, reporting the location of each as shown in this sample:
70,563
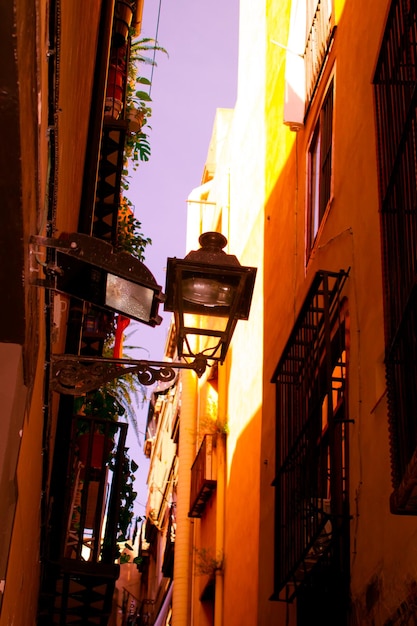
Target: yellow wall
238,191
280,220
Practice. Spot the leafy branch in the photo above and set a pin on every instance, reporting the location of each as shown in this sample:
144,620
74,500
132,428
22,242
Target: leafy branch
129,231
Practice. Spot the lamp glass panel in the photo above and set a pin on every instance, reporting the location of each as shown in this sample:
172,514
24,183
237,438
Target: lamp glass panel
129,298
206,322
208,295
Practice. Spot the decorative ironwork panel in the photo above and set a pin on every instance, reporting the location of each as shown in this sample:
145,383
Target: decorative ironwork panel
75,375
83,594
109,179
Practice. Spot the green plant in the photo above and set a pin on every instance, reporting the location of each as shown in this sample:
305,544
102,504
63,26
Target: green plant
127,495
209,425
100,404
137,145
139,100
137,148
206,563
125,557
128,392
139,49
129,236
138,561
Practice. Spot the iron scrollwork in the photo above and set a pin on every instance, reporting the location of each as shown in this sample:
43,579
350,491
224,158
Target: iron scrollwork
76,375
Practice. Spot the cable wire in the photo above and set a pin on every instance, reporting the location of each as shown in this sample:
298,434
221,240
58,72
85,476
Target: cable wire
156,39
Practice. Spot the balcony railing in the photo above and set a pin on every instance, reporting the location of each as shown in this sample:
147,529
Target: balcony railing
203,477
79,580
317,44
93,489
147,612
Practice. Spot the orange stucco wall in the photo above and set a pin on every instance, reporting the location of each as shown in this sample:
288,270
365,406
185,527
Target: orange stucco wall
383,554
203,558
23,567
22,385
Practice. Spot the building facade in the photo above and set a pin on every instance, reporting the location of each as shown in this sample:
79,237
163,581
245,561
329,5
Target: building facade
337,372
343,471
66,481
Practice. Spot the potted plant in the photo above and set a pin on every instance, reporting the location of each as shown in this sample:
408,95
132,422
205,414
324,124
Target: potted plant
138,111
140,49
137,148
123,16
114,92
126,390
128,496
137,105
102,405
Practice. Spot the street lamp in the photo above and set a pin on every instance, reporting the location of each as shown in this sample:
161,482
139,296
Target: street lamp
208,291
87,268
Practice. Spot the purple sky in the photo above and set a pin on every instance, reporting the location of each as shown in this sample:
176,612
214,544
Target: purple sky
199,76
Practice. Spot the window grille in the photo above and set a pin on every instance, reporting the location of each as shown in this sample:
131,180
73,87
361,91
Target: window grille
311,480
395,88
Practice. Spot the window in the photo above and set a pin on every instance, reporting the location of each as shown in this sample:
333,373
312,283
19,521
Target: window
311,504
320,169
396,116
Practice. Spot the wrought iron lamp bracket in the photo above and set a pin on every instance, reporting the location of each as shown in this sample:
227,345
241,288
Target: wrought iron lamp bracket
76,374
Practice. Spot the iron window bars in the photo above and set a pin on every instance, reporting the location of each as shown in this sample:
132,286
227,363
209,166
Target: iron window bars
395,85
311,501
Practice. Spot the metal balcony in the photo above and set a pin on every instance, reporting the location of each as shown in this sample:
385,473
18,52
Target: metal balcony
78,581
203,477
